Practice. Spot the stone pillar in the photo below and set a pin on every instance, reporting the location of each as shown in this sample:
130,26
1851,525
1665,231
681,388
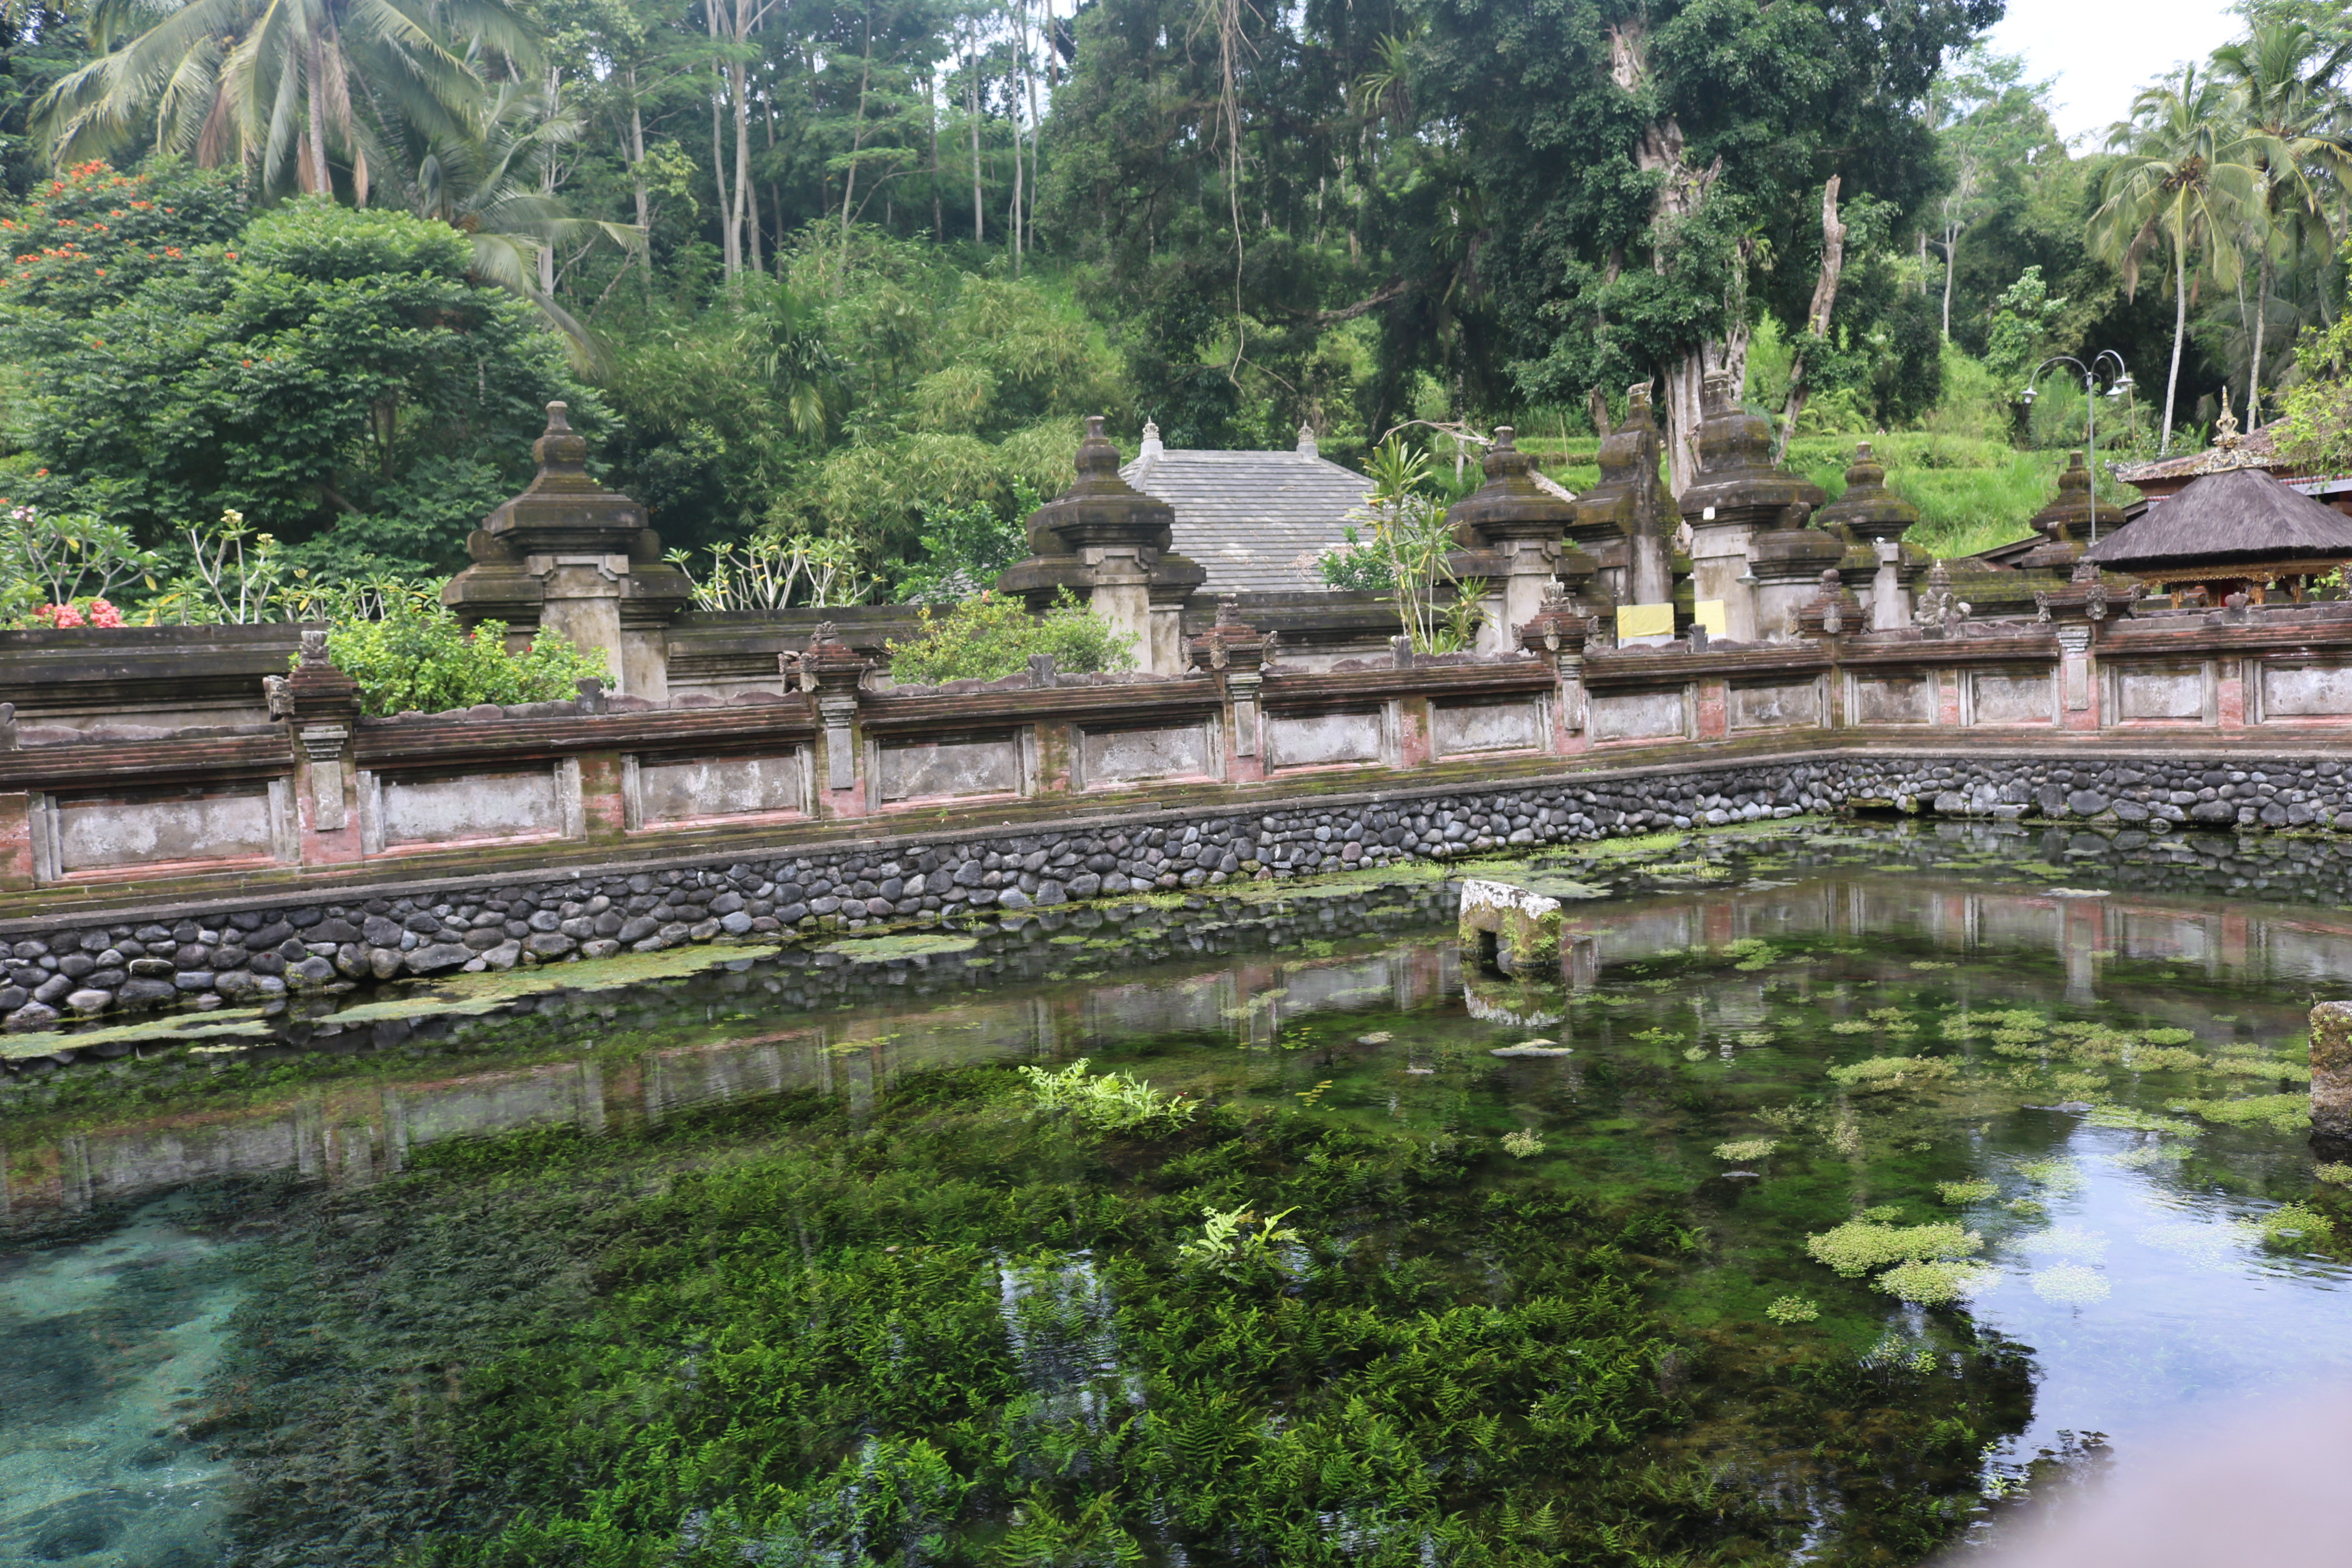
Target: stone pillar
2066,522
572,557
1232,653
1558,633
1737,497
2331,1073
832,673
1110,544
2077,612
1626,508
320,706
1513,533
1869,516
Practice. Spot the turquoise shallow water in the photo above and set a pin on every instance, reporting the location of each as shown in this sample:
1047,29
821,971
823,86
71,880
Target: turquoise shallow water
1700,1005
106,1348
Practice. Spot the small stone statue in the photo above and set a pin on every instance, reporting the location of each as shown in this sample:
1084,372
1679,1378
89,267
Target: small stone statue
1939,609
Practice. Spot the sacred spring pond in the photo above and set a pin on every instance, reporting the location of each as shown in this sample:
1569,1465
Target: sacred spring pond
1843,1185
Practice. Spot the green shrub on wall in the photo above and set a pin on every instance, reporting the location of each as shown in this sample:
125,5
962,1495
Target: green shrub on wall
991,636
418,657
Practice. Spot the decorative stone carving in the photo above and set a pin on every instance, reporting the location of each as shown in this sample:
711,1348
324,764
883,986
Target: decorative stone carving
1939,609
2066,524
1234,654
833,671
1834,611
1625,515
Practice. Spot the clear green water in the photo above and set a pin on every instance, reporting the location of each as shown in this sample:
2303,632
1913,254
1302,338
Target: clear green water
361,1292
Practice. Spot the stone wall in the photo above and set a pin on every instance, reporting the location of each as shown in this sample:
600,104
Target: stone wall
266,948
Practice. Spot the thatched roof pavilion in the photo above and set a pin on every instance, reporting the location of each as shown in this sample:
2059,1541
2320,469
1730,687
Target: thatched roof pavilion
2236,531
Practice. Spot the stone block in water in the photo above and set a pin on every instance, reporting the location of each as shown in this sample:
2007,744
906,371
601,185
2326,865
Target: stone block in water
2331,1071
1497,918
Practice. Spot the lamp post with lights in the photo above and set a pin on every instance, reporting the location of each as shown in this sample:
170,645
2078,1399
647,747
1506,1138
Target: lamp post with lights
2119,383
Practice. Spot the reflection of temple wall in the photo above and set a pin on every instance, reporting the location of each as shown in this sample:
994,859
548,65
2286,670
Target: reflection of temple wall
358,1132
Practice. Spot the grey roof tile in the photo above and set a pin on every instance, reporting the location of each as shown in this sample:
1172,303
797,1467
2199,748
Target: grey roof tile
1255,520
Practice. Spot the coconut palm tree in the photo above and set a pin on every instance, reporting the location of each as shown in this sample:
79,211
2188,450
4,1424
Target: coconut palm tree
2282,83
2184,175
493,181
279,84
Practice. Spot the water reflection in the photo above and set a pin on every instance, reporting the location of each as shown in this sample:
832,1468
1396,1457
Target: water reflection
362,1132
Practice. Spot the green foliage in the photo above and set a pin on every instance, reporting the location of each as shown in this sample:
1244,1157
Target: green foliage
1406,552
993,636
1786,1309
1934,1284
47,560
1238,1242
1744,1150
1523,1143
333,376
964,549
1968,1191
2022,321
771,570
1106,1103
1890,1072
418,657
2296,1225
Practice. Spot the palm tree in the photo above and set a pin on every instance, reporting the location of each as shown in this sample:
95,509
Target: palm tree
493,181
2184,173
276,84
2284,88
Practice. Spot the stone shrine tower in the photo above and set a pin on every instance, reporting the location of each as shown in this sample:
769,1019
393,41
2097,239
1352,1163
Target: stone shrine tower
570,556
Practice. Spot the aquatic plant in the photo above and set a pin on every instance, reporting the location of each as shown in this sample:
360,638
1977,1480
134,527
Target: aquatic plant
2132,1120
1935,1284
1792,1310
1754,1039
1861,1244
2283,1113
2334,1171
1237,1241
1890,1072
1968,1192
1109,1102
2055,1176
1522,1143
2295,1224
1743,1150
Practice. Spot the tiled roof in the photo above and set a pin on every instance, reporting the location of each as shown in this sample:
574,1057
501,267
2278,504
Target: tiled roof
1255,520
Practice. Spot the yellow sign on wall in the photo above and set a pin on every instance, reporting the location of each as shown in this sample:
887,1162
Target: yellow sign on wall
1645,621
1708,614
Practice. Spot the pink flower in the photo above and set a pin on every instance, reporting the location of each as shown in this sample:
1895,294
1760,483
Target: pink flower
59,615
102,614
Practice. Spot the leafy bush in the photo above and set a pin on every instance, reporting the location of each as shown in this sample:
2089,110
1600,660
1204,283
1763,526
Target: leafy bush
991,636
418,657
55,570
1792,1310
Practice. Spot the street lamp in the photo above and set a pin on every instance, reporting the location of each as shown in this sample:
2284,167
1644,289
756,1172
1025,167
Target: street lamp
2119,383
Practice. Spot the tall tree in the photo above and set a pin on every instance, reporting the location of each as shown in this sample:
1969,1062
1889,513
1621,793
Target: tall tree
2184,175
1640,163
2286,90
1992,126
287,87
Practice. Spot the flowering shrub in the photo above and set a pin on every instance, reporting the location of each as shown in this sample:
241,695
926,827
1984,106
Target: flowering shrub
92,234
57,569
96,612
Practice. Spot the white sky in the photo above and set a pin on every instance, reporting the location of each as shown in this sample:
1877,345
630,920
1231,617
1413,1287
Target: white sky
2103,51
